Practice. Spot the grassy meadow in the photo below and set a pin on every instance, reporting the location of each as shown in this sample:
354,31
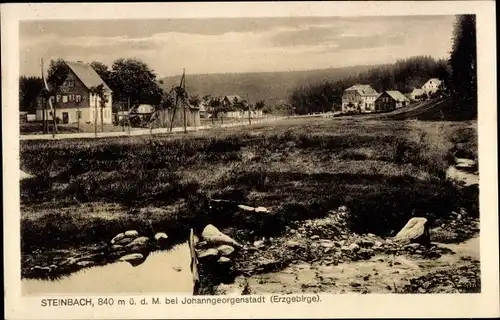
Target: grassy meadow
87,190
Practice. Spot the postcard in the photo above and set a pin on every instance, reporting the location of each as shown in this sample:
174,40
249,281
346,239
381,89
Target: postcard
266,159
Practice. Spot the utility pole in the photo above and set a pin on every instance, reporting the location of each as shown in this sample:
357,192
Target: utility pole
95,113
249,117
183,96
122,120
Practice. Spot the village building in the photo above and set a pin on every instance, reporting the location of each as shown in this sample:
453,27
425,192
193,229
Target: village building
359,98
228,103
74,100
417,94
390,100
431,86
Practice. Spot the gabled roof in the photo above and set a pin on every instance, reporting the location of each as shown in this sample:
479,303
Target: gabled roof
433,79
417,92
231,98
86,74
363,89
396,95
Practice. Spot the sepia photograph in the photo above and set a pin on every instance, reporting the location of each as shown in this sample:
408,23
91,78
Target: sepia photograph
250,156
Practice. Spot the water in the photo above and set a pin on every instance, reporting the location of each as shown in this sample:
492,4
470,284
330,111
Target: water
163,271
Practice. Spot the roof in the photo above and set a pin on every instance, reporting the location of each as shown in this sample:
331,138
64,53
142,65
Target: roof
86,74
231,98
363,89
434,79
396,95
417,91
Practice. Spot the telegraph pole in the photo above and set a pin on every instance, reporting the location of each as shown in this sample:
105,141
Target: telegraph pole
183,97
249,118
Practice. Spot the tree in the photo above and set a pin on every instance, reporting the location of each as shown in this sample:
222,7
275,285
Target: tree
56,75
29,89
195,101
134,81
463,63
103,72
259,105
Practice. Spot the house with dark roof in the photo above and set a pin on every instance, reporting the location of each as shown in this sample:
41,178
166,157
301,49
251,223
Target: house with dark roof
359,98
74,100
390,100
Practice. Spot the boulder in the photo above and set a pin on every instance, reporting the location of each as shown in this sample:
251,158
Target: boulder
134,259
327,243
212,252
258,244
139,245
315,237
224,260
161,239
261,209
415,231
246,208
213,236
225,250
353,247
85,263
131,234
117,238
116,247
123,241
293,244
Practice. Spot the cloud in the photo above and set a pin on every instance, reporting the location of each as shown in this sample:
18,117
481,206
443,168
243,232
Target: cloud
235,45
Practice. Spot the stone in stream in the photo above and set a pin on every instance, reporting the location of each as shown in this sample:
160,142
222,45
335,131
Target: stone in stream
85,263
117,238
245,207
225,250
416,230
261,209
213,236
161,239
134,259
212,252
131,234
224,260
138,245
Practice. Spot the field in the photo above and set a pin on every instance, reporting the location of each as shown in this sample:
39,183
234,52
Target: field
86,191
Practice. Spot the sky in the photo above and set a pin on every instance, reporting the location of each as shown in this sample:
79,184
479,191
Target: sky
213,45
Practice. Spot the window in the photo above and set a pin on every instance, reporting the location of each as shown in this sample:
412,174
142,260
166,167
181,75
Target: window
78,98
50,113
78,114
58,98
65,99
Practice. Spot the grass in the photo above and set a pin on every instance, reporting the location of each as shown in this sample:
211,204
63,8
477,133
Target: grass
86,191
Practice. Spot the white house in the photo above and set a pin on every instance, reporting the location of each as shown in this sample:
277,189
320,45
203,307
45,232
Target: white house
74,99
432,85
359,98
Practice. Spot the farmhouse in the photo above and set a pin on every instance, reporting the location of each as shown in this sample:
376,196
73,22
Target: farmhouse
416,94
359,98
74,100
432,85
390,100
228,103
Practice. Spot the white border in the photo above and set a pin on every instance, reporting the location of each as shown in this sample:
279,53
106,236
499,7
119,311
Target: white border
485,304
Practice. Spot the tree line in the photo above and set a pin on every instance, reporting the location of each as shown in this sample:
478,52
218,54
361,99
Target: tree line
458,73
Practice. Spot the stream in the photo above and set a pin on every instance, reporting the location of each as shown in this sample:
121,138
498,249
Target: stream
162,271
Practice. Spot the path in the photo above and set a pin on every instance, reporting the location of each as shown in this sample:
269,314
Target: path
140,132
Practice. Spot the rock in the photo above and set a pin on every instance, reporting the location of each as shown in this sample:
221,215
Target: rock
353,247
293,244
315,237
246,208
225,250
365,243
117,247
177,268
378,244
69,261
213,236
160,236
212,252
416,230
117,238
139,242
224,260
131,234
24,175
258,244
327,243
85,263
292,231
426,284
421,290
261,209
134,259
355,284
162,239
